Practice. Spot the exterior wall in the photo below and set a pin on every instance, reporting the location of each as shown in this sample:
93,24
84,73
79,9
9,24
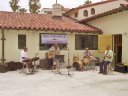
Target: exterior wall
73,16
100,8
112,25
0,45
12,53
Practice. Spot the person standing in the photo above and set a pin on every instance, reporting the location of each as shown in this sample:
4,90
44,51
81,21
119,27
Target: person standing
54,50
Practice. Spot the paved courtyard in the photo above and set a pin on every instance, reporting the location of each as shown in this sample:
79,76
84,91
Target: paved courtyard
47,83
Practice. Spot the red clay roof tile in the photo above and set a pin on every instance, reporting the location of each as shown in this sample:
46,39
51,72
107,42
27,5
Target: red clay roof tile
42,21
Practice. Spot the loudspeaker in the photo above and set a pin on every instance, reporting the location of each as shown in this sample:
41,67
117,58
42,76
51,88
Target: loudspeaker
42,63
49,64
19,65
3,68
121,68
46,63
12,66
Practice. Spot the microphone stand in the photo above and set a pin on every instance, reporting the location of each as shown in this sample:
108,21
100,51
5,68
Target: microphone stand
68,64
58,57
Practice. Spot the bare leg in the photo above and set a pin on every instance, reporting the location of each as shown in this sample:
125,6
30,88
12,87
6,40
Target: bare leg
27,65
57,65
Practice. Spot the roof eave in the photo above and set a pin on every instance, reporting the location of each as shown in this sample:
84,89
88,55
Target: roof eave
93,32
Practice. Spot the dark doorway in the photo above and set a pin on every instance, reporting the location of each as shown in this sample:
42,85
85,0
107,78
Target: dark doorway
118,48
119,53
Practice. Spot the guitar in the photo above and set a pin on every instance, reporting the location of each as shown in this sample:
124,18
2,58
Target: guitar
54,53
106,54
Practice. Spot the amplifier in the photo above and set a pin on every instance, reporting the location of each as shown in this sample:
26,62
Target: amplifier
121,68
19,65
46,63
42,63
49,64
12,66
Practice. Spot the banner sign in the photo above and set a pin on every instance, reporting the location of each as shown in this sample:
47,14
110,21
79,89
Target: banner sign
52,39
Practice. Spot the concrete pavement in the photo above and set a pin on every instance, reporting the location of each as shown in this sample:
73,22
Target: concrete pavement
47,83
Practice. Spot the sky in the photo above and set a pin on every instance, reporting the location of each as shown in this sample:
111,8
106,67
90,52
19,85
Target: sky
4,4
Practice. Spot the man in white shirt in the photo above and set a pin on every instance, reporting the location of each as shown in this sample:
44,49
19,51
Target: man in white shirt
23,56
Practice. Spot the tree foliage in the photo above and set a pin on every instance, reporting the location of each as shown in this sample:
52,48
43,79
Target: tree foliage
87,2
14,5
34,6
23,10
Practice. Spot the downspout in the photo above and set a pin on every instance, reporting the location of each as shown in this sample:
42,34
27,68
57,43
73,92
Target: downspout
3,46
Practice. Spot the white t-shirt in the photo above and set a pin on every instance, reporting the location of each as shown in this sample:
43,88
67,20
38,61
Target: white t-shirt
22,54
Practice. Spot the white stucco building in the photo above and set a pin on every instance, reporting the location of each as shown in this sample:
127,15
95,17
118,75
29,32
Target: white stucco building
93,9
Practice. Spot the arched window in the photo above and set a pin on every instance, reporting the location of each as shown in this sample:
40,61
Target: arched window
76,14
85,13
93,11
